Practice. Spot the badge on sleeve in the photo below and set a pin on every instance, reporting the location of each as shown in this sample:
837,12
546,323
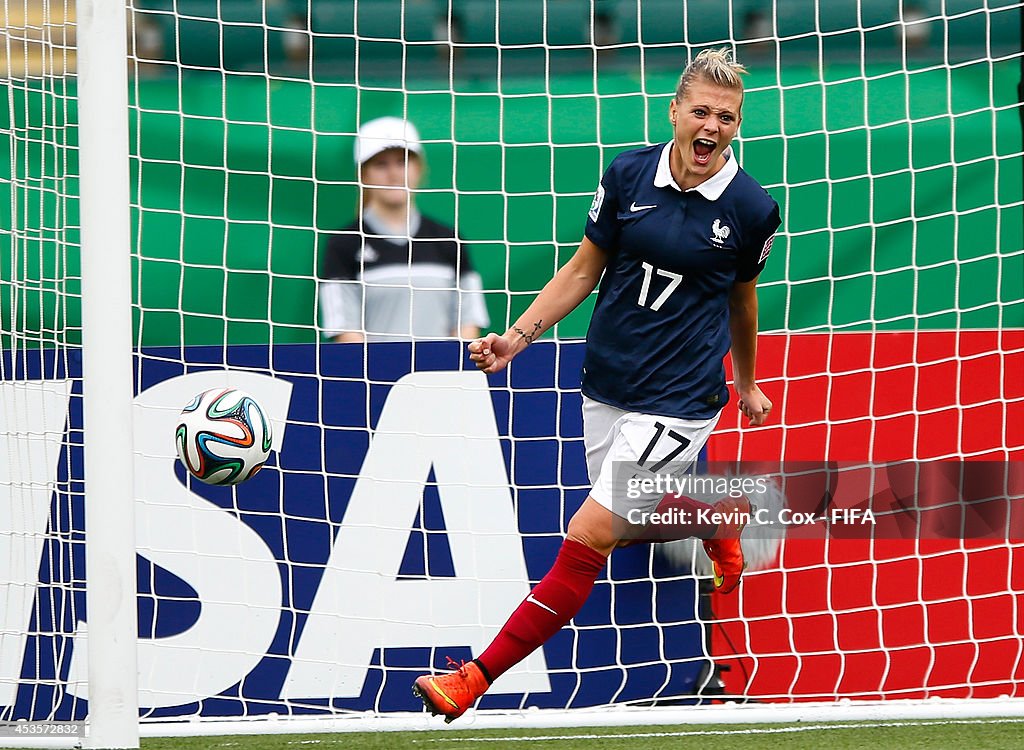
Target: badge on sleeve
595,207
766,249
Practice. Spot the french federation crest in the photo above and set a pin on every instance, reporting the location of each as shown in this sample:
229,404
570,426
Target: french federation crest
719,232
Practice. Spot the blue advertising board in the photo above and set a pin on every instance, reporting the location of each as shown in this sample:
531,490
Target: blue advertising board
408,506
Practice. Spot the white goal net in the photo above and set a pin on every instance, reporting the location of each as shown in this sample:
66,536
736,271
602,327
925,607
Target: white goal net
411,501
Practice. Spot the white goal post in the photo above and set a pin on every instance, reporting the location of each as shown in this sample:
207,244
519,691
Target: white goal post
163,230
107,343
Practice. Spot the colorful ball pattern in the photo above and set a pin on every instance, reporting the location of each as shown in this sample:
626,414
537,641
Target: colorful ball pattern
223,436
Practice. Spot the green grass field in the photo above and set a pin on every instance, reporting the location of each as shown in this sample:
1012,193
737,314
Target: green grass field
980,734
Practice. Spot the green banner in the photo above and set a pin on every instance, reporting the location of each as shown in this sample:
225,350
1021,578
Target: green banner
900,190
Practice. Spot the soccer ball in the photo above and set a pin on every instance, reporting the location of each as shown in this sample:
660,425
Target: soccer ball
223,436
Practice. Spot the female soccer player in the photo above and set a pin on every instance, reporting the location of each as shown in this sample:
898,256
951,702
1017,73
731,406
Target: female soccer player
680,234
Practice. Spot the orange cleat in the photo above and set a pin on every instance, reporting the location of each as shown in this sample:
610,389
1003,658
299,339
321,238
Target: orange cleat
451,694
724,547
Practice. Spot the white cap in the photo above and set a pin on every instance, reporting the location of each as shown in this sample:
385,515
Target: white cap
384,133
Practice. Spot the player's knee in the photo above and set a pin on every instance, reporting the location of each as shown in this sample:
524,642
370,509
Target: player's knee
595,526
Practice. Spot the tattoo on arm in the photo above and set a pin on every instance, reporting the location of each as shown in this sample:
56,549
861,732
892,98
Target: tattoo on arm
532,335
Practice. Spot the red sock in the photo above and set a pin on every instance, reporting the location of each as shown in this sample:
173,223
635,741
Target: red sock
552,603
683,522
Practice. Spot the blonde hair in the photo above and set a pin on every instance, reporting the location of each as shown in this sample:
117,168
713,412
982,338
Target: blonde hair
717,66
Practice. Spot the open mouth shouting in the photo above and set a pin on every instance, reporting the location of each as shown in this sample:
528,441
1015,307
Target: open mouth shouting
703,151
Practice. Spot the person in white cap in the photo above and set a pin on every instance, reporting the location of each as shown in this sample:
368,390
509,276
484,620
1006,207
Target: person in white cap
394,274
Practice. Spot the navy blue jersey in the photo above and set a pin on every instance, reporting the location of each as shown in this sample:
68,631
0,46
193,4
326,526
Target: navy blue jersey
660,328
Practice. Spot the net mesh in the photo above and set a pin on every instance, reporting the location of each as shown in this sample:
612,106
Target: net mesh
41,551
892,308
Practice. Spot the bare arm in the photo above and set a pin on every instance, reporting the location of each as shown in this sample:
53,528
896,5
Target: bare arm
349,337
560,296
743,328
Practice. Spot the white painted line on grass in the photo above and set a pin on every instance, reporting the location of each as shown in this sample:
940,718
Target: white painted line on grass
718,732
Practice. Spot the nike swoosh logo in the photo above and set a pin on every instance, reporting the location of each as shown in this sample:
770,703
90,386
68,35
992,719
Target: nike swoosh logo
634,208
540,604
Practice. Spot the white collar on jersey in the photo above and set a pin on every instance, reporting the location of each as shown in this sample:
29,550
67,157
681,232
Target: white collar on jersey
711,189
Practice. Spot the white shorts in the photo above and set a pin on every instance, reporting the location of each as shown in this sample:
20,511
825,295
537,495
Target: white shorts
623,445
